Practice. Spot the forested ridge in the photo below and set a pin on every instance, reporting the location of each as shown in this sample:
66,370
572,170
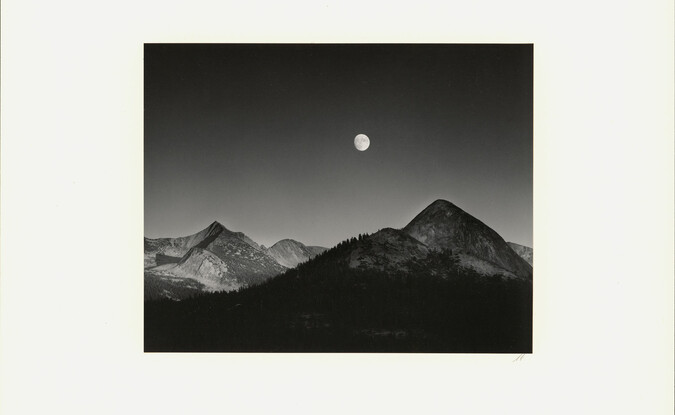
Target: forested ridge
323,305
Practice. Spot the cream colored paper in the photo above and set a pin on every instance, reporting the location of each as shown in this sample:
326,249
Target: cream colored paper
71,298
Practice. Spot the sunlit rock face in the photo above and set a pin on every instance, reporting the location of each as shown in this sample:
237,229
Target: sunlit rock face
290,253
442,225
525,252
214,259
177,247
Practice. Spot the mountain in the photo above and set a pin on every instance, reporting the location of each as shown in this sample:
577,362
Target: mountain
446,282
442,225
525,252
214,259
218,259
290,253
244,258
387,249
316,250
172,249
202,266
363,295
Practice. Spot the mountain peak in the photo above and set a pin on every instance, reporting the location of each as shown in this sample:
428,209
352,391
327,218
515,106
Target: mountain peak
288,242
289,252
216,225
437,212
443,225
442,204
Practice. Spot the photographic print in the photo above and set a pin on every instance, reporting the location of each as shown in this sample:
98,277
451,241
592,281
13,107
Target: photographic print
338,198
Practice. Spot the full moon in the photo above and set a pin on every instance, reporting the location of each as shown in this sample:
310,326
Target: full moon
361,142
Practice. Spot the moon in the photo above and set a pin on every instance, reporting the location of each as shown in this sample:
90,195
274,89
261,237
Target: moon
361,142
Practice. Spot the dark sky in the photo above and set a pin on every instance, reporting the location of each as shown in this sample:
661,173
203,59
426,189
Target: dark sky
260,138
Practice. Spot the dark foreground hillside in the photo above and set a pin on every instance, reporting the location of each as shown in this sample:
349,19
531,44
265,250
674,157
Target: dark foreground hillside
324,306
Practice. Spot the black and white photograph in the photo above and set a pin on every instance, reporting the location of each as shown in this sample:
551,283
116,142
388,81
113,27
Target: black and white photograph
338,198
337,207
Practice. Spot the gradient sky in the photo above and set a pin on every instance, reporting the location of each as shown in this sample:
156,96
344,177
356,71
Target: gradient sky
260,138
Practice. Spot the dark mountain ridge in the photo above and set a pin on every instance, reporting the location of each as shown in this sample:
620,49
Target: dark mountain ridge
325,305
387,249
